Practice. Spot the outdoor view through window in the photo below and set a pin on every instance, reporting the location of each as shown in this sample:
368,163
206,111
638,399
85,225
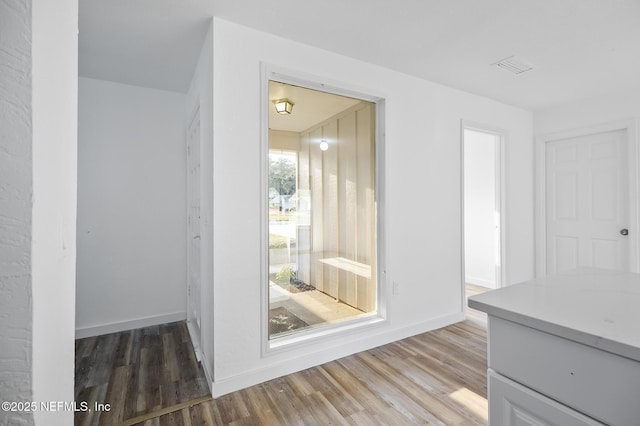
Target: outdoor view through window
322,209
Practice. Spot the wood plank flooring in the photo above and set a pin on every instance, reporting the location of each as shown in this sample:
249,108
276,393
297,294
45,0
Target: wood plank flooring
433,378
472,314
136,372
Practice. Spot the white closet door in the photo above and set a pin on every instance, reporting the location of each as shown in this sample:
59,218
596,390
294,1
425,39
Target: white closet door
587,202
193,200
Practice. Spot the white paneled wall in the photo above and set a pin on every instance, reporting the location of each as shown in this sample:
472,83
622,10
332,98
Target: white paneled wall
340,182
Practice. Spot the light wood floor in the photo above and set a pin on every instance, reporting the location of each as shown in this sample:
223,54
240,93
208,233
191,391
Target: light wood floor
433,378
472,314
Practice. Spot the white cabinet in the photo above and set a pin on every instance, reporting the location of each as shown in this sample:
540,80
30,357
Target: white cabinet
537,378
511,404
564,349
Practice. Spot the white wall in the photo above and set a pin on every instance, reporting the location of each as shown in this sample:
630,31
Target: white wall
55,95
131,207
589,112
38,140
480,208
201,94
16,185
423,163
340,183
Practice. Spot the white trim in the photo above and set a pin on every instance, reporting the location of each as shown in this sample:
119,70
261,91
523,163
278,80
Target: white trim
501,202
264,214
271,72
196,336
325,332
631,127
288,366
116,327
311,81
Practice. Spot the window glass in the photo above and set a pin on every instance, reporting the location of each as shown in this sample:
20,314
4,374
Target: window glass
322,209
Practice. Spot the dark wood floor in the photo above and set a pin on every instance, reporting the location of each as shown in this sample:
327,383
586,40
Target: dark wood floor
433,378
136,372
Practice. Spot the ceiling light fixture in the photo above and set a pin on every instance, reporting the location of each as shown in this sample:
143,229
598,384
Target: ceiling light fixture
283,106
324,145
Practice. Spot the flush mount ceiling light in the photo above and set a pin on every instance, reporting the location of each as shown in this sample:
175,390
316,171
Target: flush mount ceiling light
514,65
283,106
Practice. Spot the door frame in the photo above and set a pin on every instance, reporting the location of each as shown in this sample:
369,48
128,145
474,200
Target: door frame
631,127
501,203
195,330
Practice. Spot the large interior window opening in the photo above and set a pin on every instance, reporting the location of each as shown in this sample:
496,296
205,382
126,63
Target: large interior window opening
322,209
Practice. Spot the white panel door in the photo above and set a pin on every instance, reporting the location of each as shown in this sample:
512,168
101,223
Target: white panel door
587,202
193,205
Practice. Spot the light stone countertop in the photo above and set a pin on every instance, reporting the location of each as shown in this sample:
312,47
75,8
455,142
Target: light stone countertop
594,307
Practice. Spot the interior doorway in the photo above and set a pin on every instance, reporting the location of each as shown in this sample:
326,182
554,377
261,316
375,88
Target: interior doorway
482,208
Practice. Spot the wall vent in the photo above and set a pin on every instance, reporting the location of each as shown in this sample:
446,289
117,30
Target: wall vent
514,65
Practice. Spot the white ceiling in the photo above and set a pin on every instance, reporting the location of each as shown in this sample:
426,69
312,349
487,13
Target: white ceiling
148,43
580,48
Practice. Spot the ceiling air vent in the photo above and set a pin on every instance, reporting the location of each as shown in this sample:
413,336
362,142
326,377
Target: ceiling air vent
514,65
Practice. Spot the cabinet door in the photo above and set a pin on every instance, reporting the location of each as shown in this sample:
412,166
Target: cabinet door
511,404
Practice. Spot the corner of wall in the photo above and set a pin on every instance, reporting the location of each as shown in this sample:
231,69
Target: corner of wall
55,113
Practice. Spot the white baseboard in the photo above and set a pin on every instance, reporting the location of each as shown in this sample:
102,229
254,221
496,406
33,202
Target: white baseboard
249,378
480,281
116,327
